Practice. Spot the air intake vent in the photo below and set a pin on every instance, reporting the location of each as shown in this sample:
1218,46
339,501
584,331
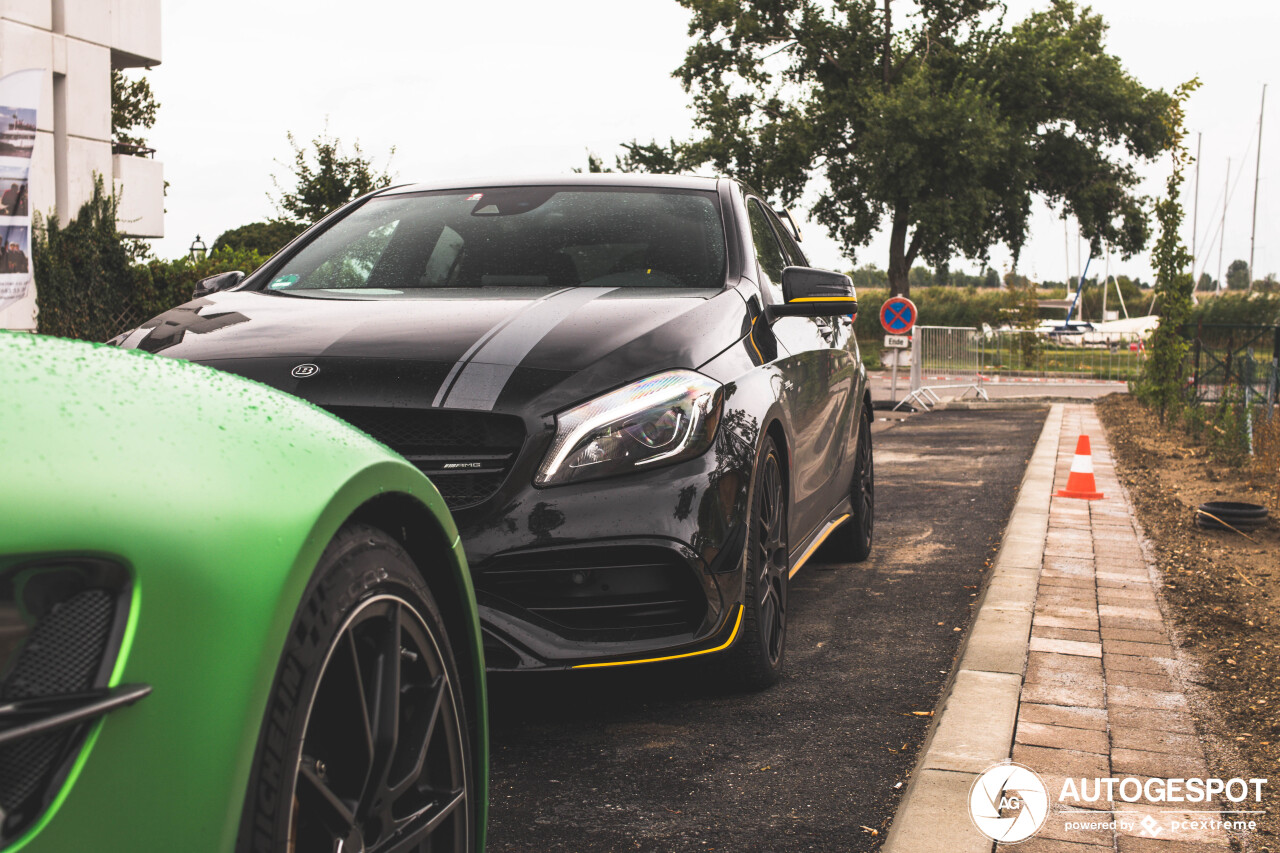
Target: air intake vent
60,624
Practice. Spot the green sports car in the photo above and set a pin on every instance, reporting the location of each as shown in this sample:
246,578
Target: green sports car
228,621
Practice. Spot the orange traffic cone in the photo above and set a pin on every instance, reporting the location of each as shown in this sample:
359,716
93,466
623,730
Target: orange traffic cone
1080,482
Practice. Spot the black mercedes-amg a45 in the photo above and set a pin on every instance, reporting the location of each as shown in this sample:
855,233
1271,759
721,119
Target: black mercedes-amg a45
643,406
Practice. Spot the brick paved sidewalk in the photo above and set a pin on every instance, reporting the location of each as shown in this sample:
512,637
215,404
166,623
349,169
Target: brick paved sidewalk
1100,697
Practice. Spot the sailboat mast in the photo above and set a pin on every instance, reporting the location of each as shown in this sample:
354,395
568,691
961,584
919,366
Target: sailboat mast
1222,229
1257,170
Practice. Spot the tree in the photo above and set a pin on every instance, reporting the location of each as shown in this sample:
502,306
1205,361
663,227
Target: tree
991,278
266,238
1163,372
944,128
331,182
133,109
1238,275
1206,283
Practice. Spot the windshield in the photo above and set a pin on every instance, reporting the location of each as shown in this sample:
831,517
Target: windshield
510,237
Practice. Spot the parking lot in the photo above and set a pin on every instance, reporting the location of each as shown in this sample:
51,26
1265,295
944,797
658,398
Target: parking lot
667,758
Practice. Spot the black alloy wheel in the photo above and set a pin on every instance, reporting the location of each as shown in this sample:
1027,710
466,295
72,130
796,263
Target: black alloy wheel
761,646
377,751
851,543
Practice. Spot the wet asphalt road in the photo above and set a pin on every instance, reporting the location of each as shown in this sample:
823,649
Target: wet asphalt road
668,758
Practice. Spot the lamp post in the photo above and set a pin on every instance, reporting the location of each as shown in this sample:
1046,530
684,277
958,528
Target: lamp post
199,251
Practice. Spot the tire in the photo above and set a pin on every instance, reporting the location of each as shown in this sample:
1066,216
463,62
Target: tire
1242,516
761,646
851,542
365,736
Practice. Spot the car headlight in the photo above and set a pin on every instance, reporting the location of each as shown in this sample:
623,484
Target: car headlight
665,418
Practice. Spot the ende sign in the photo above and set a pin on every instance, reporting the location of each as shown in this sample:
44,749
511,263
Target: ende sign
897,342
19,97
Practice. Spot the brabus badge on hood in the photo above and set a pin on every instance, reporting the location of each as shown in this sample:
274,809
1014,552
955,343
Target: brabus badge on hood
302,371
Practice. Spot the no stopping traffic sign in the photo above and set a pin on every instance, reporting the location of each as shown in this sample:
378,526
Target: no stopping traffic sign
898,315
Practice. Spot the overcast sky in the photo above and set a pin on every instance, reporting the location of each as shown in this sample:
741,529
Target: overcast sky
511,87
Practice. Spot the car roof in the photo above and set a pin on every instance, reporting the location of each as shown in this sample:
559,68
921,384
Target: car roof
589,179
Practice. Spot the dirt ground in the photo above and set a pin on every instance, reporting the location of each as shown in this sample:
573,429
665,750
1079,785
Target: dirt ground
1223,588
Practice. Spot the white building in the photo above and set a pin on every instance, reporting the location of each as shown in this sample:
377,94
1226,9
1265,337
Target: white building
79,42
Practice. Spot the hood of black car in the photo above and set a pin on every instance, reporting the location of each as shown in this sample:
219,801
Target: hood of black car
469,349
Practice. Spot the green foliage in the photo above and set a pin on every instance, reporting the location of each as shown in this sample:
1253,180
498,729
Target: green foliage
330,182
92,284
266,238
160,285
1261,309
1206,283
1238,275
1162,378
133,109
943,125
870,275
83,271
595,164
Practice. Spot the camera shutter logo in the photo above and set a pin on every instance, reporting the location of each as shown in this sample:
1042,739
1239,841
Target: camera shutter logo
303,371
1008,803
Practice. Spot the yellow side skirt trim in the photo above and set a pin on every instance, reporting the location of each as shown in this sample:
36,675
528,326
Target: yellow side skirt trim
725,645
824,299
823,538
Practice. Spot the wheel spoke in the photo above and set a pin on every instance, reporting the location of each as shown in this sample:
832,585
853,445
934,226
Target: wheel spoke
386,708
321,803
425,730
414,829
360,693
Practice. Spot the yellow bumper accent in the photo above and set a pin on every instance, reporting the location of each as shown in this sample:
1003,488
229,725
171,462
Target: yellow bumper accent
722,647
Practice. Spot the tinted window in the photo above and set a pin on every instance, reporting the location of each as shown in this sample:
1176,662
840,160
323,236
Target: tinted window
522,236
768,252
789,244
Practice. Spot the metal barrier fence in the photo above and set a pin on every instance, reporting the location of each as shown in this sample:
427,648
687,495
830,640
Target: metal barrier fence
1230,358
944,357
1030,354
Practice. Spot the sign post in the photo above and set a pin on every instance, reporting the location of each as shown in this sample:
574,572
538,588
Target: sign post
897,316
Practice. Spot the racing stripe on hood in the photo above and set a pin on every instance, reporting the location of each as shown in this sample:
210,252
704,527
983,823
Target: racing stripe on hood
481,341
485,373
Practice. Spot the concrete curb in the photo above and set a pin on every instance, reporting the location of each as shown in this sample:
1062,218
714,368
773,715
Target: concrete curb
973,724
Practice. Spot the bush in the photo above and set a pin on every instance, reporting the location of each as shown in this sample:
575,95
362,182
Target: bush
164,284
265,237
1249,309
91,280
84,272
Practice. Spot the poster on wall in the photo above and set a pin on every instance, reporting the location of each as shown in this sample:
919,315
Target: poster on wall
19,99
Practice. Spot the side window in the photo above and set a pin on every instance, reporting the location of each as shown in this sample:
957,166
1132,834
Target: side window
789,244
768,252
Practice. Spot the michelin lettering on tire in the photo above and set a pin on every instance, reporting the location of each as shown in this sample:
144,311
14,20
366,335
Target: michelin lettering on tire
1008,803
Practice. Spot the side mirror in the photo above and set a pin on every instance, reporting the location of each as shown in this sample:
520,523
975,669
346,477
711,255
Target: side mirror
217,283
815,293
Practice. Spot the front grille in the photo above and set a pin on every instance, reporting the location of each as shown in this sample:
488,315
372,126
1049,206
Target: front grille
466,454
611,588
